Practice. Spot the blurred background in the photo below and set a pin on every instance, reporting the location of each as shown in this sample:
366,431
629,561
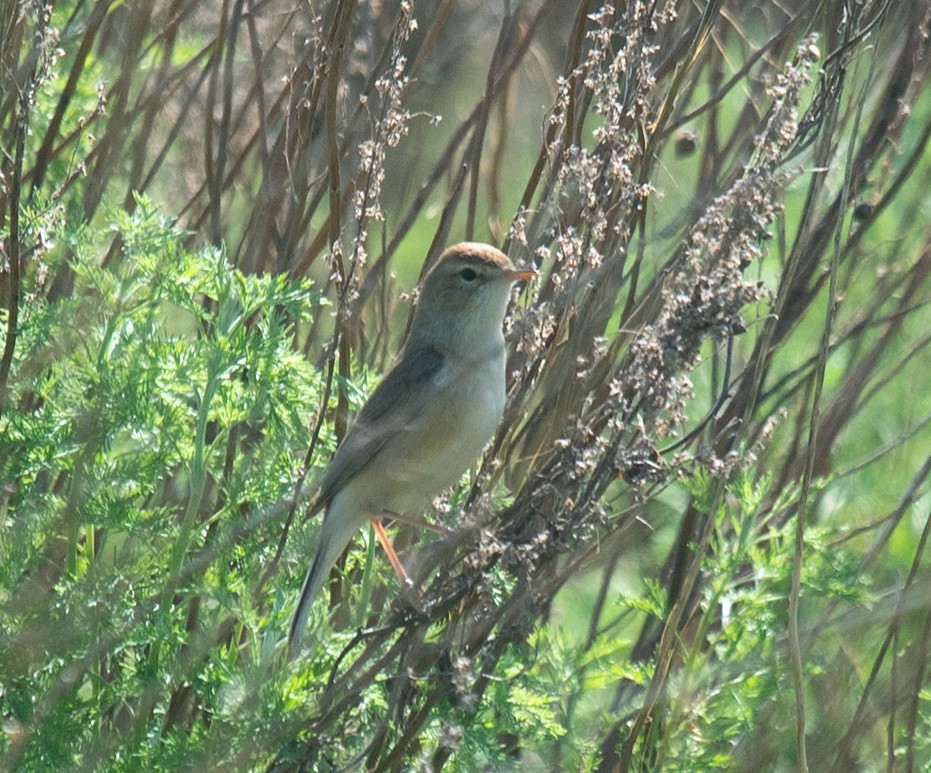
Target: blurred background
698,539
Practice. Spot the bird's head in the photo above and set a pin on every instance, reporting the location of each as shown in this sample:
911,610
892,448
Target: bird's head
465,295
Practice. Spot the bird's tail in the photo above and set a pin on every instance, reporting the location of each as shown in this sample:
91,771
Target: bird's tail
334,537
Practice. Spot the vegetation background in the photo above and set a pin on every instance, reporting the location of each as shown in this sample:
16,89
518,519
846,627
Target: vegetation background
699,539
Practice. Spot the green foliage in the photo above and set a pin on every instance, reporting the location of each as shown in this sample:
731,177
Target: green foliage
160,406
730,227
732,674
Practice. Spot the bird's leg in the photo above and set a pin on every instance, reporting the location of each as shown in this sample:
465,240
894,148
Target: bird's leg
396,564
406,582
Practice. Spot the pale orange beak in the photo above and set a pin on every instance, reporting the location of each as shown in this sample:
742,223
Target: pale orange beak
519,275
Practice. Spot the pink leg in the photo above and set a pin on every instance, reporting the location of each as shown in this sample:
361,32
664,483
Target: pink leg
399,570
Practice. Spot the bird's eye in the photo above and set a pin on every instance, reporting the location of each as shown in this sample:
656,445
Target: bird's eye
468,274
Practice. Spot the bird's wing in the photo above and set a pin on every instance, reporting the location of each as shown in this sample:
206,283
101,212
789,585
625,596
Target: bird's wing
390,409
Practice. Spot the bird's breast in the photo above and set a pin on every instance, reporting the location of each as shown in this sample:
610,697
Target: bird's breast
471,410
459,416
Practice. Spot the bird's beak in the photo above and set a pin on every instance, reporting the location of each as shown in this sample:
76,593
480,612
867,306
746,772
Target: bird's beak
519,275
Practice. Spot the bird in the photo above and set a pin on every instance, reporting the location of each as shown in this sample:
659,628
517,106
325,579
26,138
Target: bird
429,418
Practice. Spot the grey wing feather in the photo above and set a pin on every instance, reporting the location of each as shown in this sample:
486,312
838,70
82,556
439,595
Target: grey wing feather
400,393
391,408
